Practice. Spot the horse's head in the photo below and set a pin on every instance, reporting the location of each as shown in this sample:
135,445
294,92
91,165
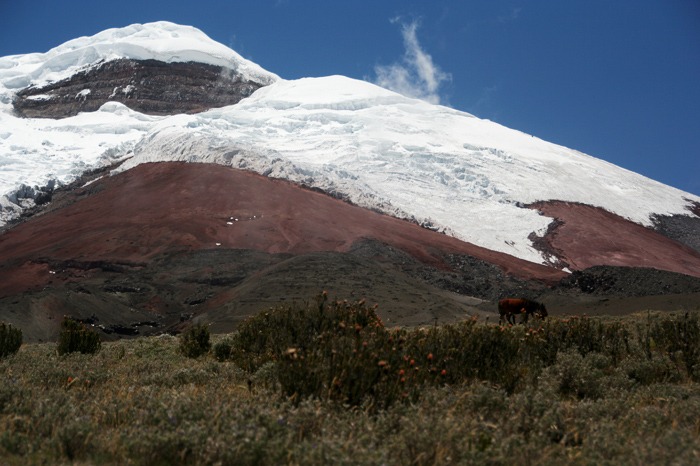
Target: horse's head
542,311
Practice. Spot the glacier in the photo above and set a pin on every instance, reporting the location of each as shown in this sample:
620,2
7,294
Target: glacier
437,166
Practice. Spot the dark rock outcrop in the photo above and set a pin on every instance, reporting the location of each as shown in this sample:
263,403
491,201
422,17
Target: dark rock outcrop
148,86
682,228
629,281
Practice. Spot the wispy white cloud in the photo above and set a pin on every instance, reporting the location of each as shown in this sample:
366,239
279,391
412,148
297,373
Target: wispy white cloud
512,15
415,75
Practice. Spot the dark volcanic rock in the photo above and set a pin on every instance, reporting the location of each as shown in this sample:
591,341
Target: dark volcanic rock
148,86
466,275
682,228
630,281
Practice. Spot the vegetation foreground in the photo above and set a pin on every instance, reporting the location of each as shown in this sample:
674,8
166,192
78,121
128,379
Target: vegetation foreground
327,383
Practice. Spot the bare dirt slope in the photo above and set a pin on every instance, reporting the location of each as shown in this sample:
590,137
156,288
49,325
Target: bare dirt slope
154,209
145,249
586,236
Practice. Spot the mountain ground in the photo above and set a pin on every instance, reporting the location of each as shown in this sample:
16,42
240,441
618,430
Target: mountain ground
149,250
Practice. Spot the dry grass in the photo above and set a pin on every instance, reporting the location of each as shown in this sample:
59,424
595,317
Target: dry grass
585,392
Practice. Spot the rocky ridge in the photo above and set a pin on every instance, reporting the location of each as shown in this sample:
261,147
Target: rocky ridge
148,86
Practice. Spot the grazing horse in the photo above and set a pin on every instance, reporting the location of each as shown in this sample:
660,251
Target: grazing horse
509,307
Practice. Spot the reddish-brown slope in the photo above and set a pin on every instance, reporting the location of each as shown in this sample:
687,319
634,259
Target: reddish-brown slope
165,207
589,236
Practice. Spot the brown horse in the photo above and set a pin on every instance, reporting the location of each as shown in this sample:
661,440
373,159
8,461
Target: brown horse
509,307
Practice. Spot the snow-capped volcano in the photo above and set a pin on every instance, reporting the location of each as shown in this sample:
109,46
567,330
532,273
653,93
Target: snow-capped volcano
163,41
443,168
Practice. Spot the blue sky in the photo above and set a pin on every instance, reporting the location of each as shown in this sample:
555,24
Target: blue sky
618,80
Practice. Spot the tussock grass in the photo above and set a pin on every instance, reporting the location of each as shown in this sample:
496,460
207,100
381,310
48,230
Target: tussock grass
327,383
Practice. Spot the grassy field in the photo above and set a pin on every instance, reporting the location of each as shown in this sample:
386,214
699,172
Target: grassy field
327,383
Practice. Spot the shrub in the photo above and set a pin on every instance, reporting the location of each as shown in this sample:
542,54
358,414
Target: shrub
340,351
679,338
266,376
335,350
10,339
194,341
586,335
222,350
76,337
464,351
593,376
647,370
267,336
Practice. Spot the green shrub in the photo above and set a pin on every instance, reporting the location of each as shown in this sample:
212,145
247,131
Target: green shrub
222,350
679,338
593,376
335,350
266,376
10,339
267,336
194,341
646,370
340,351
76,337
585,334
